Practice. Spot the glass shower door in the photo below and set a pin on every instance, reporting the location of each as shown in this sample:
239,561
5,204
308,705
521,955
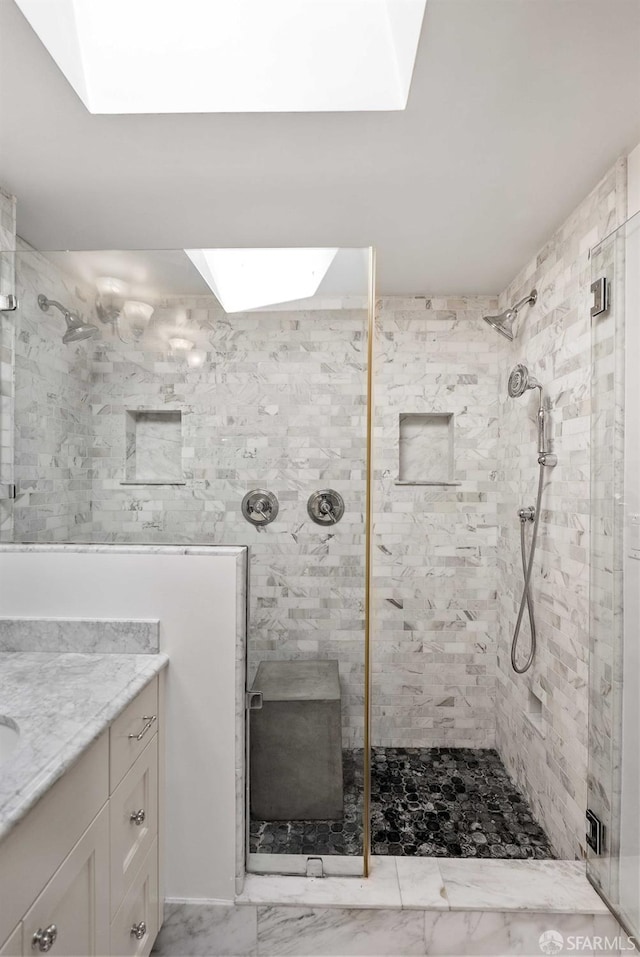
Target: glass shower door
145,412
613,819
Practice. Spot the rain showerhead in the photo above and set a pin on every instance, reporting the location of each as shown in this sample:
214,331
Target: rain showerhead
77,329
503,322
520,381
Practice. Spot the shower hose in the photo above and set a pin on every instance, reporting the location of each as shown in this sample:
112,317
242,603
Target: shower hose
527,569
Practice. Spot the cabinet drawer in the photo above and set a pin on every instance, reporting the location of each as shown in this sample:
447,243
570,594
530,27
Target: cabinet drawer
13,946
72,905
131,731
133,809
37,846
139,906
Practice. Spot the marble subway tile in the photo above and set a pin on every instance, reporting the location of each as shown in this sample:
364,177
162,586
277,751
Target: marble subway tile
435,574
553,337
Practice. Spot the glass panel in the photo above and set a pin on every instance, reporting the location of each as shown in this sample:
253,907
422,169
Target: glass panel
614,672
145,413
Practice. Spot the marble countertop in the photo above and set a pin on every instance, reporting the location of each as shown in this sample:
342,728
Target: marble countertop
61,703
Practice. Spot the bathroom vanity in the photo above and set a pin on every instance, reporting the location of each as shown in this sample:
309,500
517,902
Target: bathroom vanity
81,804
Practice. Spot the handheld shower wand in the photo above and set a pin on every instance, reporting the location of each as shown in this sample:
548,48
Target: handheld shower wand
520,382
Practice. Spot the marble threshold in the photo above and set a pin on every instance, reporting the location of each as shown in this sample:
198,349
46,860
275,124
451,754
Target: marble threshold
438,884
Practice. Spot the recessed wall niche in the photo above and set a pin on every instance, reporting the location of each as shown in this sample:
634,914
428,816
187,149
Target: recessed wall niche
426,454
153,453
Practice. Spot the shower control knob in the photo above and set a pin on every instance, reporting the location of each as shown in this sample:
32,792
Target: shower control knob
260,507
325,507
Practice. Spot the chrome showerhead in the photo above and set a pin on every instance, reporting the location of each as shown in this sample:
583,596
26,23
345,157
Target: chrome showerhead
520,381
77,328
503,322
77,331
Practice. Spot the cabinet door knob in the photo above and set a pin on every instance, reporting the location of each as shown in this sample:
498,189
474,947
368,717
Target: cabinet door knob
44,940
139,930
137,817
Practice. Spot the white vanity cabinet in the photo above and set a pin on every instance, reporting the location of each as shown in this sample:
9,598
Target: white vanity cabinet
69,916
79,875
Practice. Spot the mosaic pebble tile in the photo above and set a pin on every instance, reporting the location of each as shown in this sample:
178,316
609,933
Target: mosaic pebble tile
425,802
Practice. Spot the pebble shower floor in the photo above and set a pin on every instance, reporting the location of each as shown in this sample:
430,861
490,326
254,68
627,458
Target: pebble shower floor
427,802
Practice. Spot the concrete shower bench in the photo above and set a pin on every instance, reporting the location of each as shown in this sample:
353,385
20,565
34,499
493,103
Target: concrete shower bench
296,742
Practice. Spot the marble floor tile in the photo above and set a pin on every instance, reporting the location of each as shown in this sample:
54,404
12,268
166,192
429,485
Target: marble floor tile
207,930
327,932
379,890
421,884
475,933
555,886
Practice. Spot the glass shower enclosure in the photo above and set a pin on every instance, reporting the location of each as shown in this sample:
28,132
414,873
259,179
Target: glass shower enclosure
613,825
217,397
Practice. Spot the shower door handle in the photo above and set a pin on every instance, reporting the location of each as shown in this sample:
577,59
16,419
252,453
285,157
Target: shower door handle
7,491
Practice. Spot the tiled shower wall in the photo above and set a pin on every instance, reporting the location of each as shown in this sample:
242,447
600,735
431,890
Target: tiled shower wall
279,403
547,753
53,427
435,545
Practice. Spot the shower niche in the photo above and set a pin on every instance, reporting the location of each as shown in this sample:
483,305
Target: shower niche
153,451
426,449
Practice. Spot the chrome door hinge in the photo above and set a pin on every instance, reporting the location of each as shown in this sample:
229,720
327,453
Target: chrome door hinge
7,490
595,834
600,291
253,700
8,303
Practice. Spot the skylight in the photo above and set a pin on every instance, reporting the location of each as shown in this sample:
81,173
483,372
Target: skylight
244,279
232,56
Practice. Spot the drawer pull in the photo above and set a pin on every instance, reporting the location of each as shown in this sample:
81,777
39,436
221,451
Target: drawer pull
139,930
44,939
137,817
149,718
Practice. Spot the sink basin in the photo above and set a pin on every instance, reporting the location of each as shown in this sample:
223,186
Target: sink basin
9,737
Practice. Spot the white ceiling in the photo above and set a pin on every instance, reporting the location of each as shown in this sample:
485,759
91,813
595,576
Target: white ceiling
517,107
